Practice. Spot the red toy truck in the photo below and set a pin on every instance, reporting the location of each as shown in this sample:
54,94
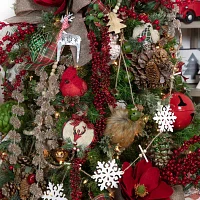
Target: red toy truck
188,10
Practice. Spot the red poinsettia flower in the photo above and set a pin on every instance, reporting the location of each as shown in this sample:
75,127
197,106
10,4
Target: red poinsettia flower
144,183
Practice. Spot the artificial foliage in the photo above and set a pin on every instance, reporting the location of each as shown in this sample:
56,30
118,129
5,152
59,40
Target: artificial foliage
90,128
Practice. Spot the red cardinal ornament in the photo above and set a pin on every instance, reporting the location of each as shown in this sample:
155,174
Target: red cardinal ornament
72,85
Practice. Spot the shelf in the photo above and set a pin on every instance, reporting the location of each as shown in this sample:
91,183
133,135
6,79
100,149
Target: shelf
195,24
194,92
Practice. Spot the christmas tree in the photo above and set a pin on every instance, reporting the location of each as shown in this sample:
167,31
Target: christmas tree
97,108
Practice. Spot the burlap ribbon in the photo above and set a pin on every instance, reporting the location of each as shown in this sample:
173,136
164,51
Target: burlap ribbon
178,193
77,27
28,11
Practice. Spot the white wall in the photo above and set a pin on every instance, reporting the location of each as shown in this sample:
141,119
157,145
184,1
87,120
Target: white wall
6,9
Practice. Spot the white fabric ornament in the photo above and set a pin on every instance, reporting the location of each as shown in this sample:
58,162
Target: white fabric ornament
54,192
107,175
165,118
81,135
115,49
152,35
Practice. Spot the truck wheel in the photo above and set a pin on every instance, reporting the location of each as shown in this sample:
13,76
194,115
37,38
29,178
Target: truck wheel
190,16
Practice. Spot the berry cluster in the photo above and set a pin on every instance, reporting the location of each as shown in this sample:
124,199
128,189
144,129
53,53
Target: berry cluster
75,179
101,71
125,13
8,87
183,168
8,41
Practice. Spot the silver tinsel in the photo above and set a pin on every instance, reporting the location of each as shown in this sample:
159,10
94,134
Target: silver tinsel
15,149
38,120
49,134
61,69
36,160
52,144
39,101
40,87
48,121
36,191
13,135
15,122
39,175
12,159
18,96
18,110
39,146
50,111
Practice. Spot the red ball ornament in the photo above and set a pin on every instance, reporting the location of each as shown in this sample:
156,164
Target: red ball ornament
11,167
1,195
183,109
31,179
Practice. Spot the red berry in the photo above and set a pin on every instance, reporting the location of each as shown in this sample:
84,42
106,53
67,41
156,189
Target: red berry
11,167
18,77
22,72
156,22
31,179
158,28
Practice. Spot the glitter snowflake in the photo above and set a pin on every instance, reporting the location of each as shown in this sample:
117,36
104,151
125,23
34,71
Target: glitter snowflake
107,174
165,118
54,192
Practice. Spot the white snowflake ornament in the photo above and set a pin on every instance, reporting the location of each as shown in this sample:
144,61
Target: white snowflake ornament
107,175
54,192
165,118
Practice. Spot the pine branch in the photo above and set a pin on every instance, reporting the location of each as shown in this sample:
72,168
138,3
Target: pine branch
130,25
6,175
93,114
149,101
4,145
161,15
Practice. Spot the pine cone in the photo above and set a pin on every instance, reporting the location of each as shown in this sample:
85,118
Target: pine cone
24,160
153,74
160,151
9,189
151,68
24,189
166,69
160,56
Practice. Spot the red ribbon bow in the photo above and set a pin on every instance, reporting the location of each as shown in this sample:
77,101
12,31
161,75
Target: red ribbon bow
53,3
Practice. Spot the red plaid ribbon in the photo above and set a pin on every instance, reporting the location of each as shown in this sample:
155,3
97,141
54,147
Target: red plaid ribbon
47,56
102,7
101,197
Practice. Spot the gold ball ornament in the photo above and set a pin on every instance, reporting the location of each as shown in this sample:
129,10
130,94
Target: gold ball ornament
56,115
60,155
3,156
45,153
